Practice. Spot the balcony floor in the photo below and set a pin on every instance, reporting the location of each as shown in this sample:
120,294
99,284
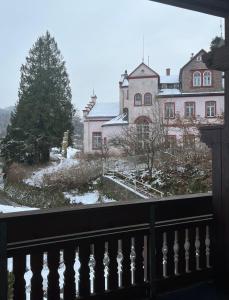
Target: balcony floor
203,291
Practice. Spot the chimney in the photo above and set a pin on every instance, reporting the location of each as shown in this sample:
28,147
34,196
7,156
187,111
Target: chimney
192,55
168,72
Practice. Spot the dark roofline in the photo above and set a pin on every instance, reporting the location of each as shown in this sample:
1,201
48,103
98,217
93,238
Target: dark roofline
185,95
117,124
218,8
99,118
194,57
145,66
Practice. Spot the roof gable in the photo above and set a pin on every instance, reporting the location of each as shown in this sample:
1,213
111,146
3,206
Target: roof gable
143,71
201,52
104,109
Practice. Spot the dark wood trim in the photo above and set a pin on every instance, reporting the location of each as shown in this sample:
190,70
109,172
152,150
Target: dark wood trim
218,8
3,262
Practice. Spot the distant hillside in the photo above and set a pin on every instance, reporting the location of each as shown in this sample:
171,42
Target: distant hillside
4,120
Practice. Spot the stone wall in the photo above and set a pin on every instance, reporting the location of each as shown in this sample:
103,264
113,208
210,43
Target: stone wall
119,191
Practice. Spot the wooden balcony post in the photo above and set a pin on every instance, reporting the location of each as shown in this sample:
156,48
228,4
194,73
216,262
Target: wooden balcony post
217,137
3,263
152,254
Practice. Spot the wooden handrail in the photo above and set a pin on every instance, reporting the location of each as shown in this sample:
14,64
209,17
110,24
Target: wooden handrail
90,230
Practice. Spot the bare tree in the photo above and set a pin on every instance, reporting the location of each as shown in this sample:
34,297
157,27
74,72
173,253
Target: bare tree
146,137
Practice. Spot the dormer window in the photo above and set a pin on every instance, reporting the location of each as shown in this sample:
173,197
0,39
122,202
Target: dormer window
207,78
196,79
138,100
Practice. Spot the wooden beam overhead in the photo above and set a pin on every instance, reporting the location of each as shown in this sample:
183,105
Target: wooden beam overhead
218,8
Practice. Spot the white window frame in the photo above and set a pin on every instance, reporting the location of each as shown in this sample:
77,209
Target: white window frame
196,79
210,107
169,110
207,78
189,109
138,99
96,140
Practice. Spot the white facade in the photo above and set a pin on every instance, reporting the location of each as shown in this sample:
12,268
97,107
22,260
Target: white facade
138,93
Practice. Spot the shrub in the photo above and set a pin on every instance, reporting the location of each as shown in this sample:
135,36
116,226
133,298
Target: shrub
75,176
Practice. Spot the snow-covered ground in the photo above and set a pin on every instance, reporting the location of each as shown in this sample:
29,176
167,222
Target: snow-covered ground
55,153
87,198
37,177
59,163
10,209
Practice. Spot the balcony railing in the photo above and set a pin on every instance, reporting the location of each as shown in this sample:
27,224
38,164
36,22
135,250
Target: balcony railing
127,250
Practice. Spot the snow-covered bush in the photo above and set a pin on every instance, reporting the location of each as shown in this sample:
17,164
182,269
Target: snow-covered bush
74,176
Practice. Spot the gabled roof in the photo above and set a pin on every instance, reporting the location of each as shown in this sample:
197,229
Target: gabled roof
153,73
213,7
169,79
104,109
119,120
193,58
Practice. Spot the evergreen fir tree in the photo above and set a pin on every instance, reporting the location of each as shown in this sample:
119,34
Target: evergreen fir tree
217,42
44,110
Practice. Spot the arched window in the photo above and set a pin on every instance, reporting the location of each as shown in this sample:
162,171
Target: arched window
143,130
148,99
138,100
197,78
207,78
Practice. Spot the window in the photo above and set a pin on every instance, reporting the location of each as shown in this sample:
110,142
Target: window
207,78
199,58
189,140
147,99
197,78
138,100
210,109
170,110
189,110
143,131
96,140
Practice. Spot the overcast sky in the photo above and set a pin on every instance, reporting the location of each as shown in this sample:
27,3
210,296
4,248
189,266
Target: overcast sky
99,40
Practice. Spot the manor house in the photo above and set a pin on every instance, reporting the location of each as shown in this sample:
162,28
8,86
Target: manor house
195,96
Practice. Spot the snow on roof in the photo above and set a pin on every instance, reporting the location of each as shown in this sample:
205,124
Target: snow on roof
169,92
125,83
169,79
119,120
104,109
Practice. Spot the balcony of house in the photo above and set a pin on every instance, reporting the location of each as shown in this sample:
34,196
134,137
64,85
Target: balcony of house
127,250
